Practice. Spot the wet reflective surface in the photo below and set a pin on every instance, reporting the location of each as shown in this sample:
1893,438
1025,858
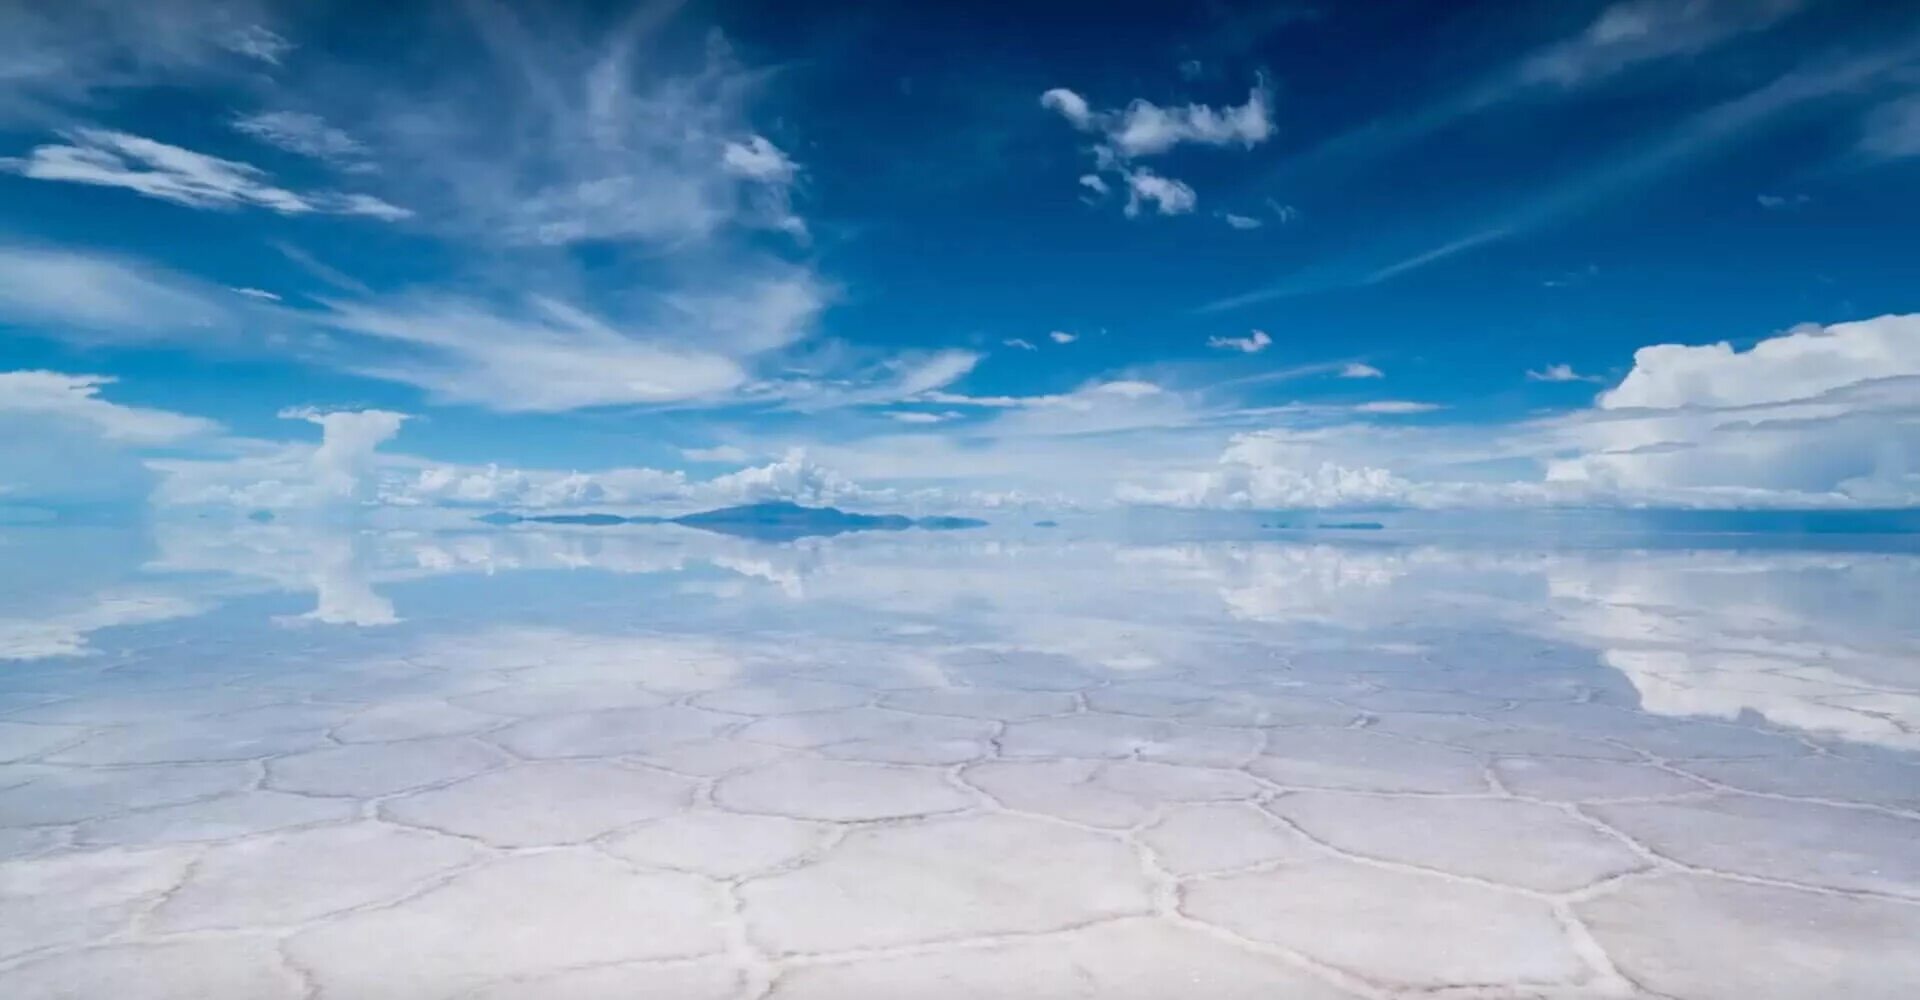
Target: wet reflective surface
266,761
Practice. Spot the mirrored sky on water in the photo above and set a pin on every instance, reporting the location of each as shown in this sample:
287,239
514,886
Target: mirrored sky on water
269,759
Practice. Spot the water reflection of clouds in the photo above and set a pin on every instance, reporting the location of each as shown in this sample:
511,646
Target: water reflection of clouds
1814,641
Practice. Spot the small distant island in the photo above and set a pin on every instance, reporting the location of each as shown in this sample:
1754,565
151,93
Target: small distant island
1350,526
779,520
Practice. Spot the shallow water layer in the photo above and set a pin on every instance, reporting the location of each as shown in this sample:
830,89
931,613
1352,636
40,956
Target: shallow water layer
268,761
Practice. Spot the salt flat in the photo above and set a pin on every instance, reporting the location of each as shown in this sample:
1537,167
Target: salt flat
634,762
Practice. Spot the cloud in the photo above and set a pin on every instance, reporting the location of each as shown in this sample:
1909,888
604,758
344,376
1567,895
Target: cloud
1241,221
1783,201
54,56
758,159
306,135
77,398
922,417
1395,406
585,132
256,42
1815,81
157,170
1268,471
1559,373
95,296
1070,105
1143,129
761,161
1357,369
257,293
1062,337
719,453
1892,130
1166,195
339,469
1636,31
1817,416
1800,364
1254,343
544,356
1020,343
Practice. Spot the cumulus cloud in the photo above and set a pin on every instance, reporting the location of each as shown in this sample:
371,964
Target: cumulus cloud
1253,343
1268,470
1143,129
1164,194
1356,369
1241,221
1815,416
339,469
1062,337
155,169
1559,373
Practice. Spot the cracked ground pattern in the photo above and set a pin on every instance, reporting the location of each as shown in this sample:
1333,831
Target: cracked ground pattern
1143,795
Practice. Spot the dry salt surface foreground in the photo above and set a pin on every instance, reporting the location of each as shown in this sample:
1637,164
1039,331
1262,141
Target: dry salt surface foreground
267,762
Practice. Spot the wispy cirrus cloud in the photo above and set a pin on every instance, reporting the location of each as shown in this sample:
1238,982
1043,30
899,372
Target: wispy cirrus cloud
108,158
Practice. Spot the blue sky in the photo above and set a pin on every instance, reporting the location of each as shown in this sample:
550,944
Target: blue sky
1650,252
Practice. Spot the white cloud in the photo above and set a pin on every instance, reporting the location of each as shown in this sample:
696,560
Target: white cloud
922,416
1817,416
1267,470
1637,31
77,398
339,469
1020,343
1892,130
1559,373
719,453
257,293
1782,201
1799,364
1166,195
548,356
1253,343
569,132
1070,105
306,135
67,293
157,170
256,42
758,159
1396,406
1062,337
1143,129
1355,369
1285,213
1241,221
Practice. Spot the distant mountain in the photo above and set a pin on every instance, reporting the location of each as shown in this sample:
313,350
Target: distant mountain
779,520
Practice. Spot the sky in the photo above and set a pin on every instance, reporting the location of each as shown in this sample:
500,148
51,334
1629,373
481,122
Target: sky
959,257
